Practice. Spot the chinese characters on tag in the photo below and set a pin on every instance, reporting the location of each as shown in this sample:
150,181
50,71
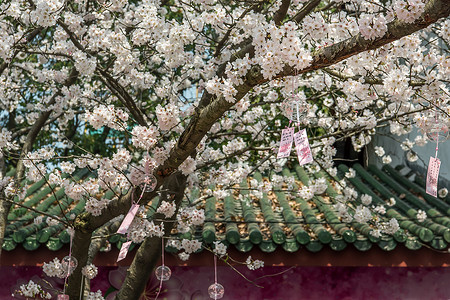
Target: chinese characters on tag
302,146
432,176
287,137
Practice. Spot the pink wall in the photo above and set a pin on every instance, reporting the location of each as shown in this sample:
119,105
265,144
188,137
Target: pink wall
279,282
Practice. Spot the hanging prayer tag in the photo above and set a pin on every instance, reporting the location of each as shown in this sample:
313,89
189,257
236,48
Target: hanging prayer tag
432,176
128,219
287,137
123,251
63,297
302,146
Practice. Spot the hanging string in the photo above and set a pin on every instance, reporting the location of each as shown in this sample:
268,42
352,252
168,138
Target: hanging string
162,263
215,269
437,134
215,274
140,197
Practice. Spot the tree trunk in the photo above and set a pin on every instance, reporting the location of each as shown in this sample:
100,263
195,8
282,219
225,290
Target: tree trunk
149,252
81,242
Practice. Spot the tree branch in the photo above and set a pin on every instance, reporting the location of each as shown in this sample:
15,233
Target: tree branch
28,39
27,147
367,79
306,10
148,254
281,12
324,57
117,89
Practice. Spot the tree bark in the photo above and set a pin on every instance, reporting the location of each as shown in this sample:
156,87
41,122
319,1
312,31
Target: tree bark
98,240
80,248
149,252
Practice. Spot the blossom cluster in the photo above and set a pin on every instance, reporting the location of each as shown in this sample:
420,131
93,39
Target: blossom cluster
53,268
110,116
190,216
95,295
167,209
142,228
254,264
409,10
33,290
89,271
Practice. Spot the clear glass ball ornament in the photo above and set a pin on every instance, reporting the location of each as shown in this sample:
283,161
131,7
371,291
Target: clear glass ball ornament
68,264
150,182
294,109
216,291
438,131
163,273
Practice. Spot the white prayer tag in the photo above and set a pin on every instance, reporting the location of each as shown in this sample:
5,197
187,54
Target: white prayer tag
128,219
302,146
123,250
287,137
432,176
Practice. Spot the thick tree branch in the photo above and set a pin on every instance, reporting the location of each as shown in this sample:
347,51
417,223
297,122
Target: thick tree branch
149,252
281,12
324,57
306,10
80,248
206,116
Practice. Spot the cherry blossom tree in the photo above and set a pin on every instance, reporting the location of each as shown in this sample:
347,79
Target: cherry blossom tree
196,93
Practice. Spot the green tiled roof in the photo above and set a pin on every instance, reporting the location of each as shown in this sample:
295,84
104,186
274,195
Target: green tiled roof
277,219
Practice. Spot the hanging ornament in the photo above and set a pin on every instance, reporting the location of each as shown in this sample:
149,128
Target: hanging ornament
163,273
216,291
68,264
438,131
149,183
434,124
63,297
294,109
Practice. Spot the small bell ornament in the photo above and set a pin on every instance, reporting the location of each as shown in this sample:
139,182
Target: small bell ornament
68,264
294,109
150,182
438,131
163,273
216,291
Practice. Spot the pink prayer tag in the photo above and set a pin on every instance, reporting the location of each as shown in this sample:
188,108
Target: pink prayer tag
287,137
123,251
63,297
432,176
302,146
128,219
